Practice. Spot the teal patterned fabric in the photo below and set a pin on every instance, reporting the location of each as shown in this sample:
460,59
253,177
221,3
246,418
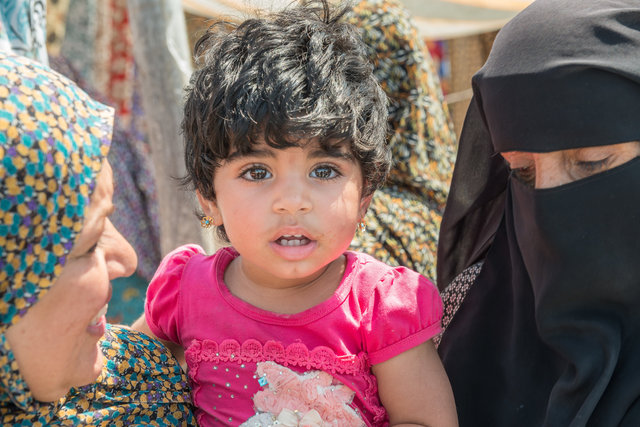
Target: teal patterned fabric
53,139
15,397
141,384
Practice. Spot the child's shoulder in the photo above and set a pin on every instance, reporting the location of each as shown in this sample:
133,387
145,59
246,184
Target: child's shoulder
369,272
186,252
182,254
192,258
398,306
177,259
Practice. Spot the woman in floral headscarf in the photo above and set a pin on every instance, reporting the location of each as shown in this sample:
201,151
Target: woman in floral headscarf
58,253
403,220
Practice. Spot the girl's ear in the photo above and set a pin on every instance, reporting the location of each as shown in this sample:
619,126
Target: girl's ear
364,205
210,208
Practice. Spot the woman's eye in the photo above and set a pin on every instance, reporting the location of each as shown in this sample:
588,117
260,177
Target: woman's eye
256,173
92,249
526,175
591,167
324,172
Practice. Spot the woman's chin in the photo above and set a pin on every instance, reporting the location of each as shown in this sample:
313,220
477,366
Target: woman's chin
98,365
91,371
84,371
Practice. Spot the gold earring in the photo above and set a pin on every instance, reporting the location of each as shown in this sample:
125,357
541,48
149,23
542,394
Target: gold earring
362,226
206,222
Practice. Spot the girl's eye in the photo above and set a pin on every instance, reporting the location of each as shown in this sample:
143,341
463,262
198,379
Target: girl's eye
324,172
526,175
256,173
92,249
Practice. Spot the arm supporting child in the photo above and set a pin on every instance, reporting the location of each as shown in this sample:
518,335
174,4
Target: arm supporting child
415,390
141,325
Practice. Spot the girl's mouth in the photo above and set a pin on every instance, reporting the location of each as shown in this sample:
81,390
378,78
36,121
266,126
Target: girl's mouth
293,240
294,247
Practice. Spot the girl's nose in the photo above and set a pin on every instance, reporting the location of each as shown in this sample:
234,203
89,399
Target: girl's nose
292,196
120,257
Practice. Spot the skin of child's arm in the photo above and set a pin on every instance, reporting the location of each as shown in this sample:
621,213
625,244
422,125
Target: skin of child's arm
415,390
176,349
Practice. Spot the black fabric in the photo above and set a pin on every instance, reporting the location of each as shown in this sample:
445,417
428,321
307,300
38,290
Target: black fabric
550,332
566,75
500,370
580,243
475,203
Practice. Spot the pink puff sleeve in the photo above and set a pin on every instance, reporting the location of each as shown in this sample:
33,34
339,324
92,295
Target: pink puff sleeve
404,311
162,306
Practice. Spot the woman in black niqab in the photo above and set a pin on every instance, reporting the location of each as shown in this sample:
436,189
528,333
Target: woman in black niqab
549,332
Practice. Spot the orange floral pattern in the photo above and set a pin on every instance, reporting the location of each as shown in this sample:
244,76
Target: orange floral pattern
403,221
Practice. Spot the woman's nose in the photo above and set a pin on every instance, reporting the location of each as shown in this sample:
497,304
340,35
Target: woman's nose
551,170
120,256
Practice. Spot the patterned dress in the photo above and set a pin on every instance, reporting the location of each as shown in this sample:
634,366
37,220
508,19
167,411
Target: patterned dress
403,220
453,295
141,384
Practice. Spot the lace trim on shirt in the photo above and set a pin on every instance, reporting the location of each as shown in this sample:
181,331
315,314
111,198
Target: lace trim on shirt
296,354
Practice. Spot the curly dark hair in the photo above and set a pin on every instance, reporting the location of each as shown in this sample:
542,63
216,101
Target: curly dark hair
287,77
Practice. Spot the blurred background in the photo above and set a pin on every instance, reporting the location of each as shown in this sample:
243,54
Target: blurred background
458,34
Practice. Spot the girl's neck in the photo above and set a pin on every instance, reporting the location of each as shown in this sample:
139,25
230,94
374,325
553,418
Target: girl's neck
285,298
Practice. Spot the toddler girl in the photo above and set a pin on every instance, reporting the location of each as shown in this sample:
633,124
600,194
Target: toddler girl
285,144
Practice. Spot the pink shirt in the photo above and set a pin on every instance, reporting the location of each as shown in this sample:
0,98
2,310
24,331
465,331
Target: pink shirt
249,366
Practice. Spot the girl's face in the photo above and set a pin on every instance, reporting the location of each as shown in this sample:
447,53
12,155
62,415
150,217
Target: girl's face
288,212
56,342
547,170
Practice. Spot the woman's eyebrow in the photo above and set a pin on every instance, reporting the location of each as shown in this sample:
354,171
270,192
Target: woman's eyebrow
110,210
105,211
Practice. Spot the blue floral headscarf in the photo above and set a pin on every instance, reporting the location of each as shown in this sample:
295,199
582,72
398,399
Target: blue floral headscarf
53,138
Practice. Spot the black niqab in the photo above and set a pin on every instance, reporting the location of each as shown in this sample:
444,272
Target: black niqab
549,334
